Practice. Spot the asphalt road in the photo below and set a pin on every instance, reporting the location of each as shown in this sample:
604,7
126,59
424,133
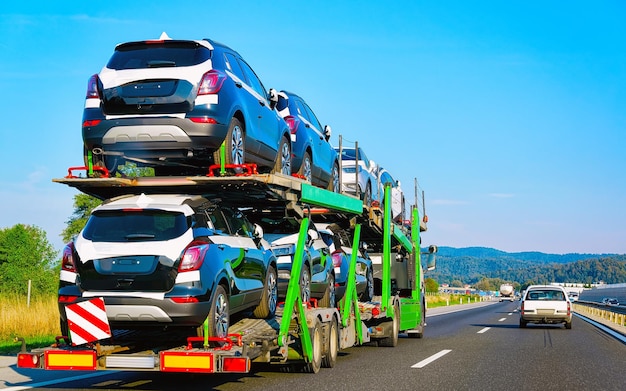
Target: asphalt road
481,348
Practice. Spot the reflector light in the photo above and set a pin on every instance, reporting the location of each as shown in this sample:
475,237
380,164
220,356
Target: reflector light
28,360
64,299
184,300
82,360
236,364
91,122
186,362
203,120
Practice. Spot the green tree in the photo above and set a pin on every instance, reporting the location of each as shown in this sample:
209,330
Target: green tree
83,205
26,254
431,285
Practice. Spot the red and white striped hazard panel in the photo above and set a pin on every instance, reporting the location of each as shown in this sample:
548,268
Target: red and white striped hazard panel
87,321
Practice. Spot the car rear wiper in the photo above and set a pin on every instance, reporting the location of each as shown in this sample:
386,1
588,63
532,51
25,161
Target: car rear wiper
161,64
139,236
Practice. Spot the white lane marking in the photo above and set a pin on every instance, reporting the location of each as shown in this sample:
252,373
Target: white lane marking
501,319
510,313
57,381
430,359
483,330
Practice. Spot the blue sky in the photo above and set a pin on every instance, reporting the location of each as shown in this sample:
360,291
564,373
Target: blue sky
511,115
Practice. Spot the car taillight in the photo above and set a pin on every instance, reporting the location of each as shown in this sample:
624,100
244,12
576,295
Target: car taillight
211,82
337,258
292,122
67,262
569,309
522,308
92,88
193,256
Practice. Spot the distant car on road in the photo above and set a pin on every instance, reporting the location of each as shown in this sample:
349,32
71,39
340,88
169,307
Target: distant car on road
545,304
610,301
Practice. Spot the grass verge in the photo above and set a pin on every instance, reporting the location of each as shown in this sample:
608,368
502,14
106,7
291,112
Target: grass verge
36,322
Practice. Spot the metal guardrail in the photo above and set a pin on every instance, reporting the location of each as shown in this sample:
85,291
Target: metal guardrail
611,316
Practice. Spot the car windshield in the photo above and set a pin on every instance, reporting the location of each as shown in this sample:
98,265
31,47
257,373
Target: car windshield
349,154
135,225
139,55
547,294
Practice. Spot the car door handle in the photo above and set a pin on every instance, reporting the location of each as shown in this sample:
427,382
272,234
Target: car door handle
262,103
238,84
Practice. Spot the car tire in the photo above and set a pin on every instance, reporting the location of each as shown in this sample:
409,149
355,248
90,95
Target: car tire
218,314
317,348
330,295
522,323
282,164
269,298
306,168
331,344
333,183
368,293
392,340
568,325
235,142
305,284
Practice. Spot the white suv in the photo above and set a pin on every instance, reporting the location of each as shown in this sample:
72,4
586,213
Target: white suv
547,304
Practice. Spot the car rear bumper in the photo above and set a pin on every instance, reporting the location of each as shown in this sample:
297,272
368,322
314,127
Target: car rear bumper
154,134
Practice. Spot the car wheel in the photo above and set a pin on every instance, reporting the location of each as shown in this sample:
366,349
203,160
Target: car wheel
522,323
316,343
235,145
331,345
568,325
218,315
329,299
283,158
269,298
333,183
368,293
305,285
306,168
392,340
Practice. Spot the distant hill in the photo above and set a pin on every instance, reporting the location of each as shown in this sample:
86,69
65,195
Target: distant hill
469,265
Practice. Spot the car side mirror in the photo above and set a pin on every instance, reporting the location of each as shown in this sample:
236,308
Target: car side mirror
431,262
273,98
327,132
258,231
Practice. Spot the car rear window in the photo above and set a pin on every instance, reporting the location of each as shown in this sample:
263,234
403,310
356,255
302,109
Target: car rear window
135,225
151,54
547,294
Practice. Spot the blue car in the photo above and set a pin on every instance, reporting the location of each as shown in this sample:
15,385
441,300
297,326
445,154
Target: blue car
170,104
167,261
314,158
